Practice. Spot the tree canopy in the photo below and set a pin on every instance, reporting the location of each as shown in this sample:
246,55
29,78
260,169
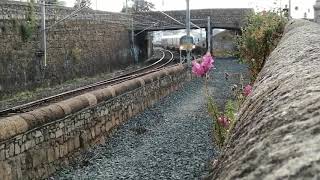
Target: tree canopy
139,6
57,2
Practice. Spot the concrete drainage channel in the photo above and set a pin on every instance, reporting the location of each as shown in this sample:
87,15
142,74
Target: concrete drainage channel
171,140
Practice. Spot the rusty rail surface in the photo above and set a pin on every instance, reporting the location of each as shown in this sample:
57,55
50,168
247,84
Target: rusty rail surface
156,66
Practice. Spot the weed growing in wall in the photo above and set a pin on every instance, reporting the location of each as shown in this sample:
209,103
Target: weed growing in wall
28,28
259,38
223,121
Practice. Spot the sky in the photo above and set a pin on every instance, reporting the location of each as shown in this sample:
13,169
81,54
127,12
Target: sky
303,6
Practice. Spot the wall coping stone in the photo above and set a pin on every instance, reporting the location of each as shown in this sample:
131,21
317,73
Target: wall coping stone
21,123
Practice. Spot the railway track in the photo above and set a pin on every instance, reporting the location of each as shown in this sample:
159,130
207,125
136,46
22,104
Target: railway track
159,64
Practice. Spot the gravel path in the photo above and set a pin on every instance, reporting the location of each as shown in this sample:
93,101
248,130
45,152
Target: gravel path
171,140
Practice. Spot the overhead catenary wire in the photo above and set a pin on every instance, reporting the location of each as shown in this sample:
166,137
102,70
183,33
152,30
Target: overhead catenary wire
177,20
67,17
146,29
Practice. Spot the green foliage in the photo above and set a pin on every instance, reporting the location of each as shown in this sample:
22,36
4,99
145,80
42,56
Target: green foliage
28,28
223,53
139,7
3,29
260,36
219,132
230,110
56,2
14,24
25,31
76,54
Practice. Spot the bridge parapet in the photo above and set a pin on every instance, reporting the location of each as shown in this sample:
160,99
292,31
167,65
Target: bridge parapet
220,18
277,134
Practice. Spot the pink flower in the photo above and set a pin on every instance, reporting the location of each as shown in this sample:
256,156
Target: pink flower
202,68
197,69
247,90
207,62
224,121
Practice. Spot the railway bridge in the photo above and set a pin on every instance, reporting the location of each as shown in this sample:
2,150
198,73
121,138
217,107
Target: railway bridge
230,19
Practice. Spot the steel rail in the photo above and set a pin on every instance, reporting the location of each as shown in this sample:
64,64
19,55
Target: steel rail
94,86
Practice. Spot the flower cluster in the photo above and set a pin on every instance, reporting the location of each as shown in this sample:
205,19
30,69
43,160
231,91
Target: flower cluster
224,121
202,68
247,90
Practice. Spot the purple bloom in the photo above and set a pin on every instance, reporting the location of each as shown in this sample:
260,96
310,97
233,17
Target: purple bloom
202,68
197,69
247,90
224,121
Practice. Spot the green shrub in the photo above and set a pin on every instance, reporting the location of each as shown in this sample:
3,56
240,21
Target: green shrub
28,28
258,39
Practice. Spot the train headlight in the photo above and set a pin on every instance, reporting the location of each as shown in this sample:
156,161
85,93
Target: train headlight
181,47
193,46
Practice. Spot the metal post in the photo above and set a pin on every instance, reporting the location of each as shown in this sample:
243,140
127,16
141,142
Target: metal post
43,30
132,40
209,34
188,18
126,6
290,9
188,31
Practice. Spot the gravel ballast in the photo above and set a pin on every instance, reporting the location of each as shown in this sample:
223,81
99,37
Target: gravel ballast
171,140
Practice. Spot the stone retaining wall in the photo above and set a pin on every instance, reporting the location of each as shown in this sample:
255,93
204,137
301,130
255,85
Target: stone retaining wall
277,135
35,144
91,43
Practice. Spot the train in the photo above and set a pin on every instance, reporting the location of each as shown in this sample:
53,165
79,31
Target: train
182,45
177,43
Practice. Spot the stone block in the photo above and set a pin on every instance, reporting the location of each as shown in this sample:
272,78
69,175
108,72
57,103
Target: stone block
17,149
91,98
2,154
113,119
109,126
5,171
92,132
57,151
84,140
51,154
12,126
63,149
70,145
11,149
98,129
58,133
76,142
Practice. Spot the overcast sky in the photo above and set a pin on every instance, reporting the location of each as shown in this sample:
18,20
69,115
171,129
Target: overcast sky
299,7
304,6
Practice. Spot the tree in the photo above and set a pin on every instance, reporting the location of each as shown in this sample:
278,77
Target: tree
82,3
139,6
56,2
143,6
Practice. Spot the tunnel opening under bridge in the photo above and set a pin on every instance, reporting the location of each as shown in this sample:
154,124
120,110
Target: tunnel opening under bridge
222,41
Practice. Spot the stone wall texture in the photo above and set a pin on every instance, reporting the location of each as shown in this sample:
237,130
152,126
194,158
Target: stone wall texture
220,18
84,45
35,144
277,135
224,41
